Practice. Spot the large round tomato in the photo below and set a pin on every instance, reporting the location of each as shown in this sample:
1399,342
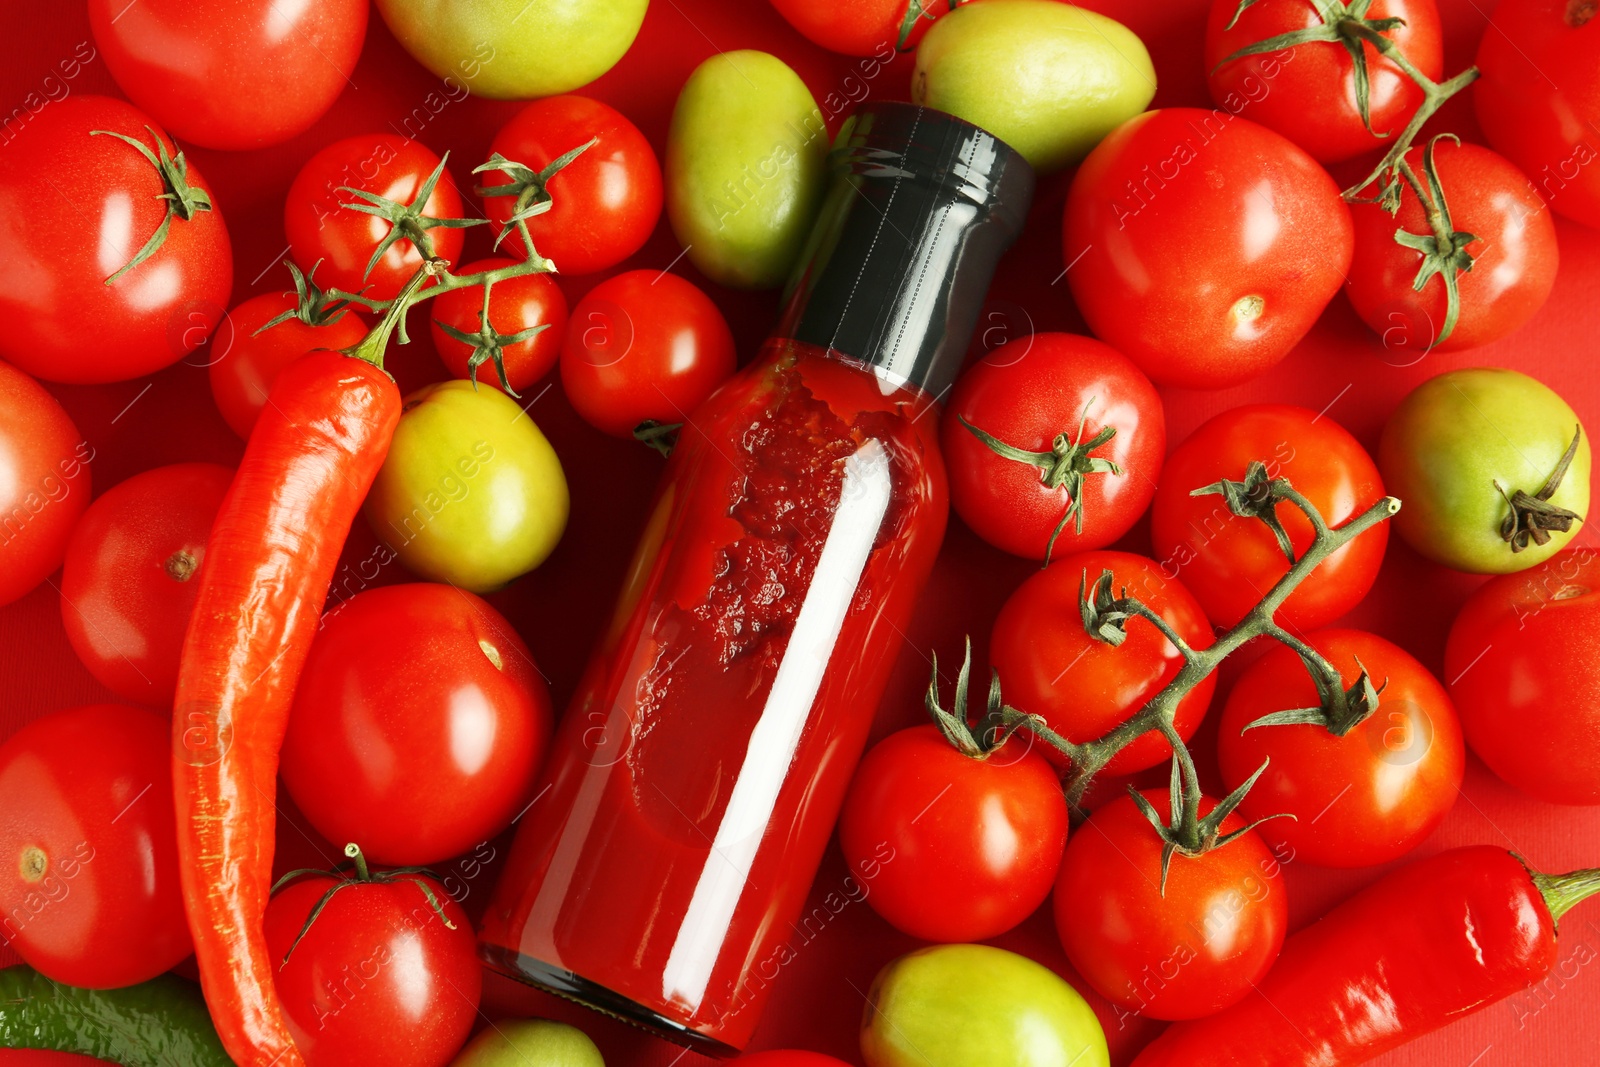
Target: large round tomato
1230,562
79,208
1083,687
1362,799
1202,245
342,239
1539,98
1051,394
1308,92
603,205
520,303
860,27
1180,954
133,573
235,75
988,832
1514,255
1523,662
88,847
44,482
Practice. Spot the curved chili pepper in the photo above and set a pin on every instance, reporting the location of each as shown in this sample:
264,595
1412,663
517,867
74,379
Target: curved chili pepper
1424,945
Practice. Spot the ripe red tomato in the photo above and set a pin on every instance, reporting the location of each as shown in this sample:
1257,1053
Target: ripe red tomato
1230,562
603,205
44,482
379,977
132,575
92,203
859,27
89,890
1362,799
1514,256
1044,394
418,724
1203,246
988,832
236,75
788,1058
1539,98
1050,666
644,346
1190,953
1308,92
245,364
1523,662
342,239
516,304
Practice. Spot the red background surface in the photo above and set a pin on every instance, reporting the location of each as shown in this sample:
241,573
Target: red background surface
1341,369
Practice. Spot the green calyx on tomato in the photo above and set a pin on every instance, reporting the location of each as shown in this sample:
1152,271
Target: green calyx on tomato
311,304
981,739
361,875
1444,251
489,345
406,221
1532,517
526,184
184,201
658,436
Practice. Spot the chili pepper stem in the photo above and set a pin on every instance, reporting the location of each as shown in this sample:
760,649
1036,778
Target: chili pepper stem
1563,892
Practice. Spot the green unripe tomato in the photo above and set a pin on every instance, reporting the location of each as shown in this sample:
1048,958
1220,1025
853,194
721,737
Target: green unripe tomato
530,1043
746,164
515,49
471,492
959,1005
1048,79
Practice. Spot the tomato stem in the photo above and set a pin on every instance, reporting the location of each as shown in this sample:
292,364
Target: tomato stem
1532,517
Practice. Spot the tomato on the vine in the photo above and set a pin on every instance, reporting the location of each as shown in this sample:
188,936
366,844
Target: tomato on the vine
516,306
44,482
861,27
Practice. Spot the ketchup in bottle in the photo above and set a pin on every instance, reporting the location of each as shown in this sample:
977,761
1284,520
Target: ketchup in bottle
698,772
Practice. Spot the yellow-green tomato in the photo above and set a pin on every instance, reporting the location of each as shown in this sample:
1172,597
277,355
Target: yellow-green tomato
746,164
529,1043
471,492
515,49
961,1005
1048,79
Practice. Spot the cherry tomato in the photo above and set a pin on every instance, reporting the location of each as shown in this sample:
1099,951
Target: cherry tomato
83,207
644,346
1230,562
1051,394
1203,246
343,240
1539,98
1187,953
1523,661
988,832
1308,92
418,724
603,205
525,302
1514,254
89,892
1359,800
239,75
860,27
132,575
1083,687
44,482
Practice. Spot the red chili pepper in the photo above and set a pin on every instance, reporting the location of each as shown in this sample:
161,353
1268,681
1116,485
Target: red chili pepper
1421,947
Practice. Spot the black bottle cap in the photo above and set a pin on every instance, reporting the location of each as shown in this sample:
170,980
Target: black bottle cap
920,207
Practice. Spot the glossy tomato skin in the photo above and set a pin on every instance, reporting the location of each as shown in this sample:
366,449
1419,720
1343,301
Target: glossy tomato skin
343,240
88,847
1366,798
642,346
1514,265
1025,393
859,27
1050,666
237,75
1229,562
132,575
418,723
1203,246
1308,92
379,977
988,832
44,482
1523,660
1538,99
603,205
80,207
1184,955
516,304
